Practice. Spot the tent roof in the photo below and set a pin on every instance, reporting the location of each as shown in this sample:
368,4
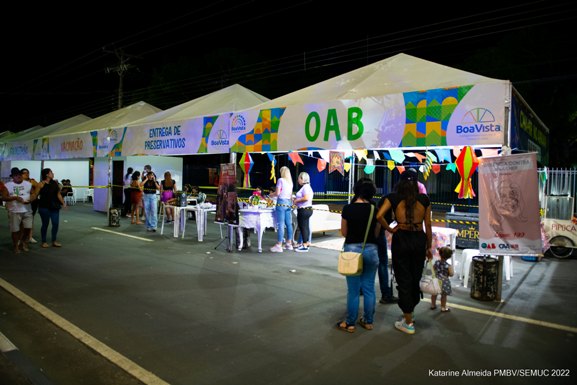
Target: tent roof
112,119
394,75
39,131
232,98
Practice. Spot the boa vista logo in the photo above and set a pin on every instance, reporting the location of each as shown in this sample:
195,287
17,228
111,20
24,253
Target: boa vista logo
220,138
238,123
478,121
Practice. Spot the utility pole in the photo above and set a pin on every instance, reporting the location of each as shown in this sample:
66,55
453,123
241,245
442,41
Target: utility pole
120,69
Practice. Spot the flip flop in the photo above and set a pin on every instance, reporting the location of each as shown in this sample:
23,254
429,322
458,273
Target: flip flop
433,308
365,325
445,310
342,325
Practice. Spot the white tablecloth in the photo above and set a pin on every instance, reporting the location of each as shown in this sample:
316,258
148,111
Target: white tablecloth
258,219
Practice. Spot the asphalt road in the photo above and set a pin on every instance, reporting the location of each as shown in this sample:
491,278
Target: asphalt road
148,308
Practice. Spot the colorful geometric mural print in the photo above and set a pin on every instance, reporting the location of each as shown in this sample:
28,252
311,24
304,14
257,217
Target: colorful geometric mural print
94,135
427,115
264,135
207,125
116,150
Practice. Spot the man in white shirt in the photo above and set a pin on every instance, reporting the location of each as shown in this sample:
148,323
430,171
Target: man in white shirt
18,195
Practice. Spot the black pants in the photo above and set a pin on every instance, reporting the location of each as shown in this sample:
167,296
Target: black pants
303,216
127,206
409,254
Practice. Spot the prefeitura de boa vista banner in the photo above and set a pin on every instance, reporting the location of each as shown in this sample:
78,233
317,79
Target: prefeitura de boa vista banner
203,135
460,116
509,221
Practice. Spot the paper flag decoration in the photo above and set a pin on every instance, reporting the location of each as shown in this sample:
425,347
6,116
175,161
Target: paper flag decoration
436,168
397,155
466,165
325,155
376,154
420,157
321,165
337,162
452,167
390,164
296,158
443,154
272,164
401,169
246,164
489,152
361,154
369,168
347,167
429,160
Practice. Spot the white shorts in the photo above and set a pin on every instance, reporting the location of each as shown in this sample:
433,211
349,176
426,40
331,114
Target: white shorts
17,219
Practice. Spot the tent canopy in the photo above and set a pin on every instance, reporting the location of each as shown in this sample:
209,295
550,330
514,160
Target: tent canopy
116,118
395,75
39,131
232,98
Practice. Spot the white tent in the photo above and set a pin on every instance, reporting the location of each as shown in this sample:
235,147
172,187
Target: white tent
402,101
19,148
180,129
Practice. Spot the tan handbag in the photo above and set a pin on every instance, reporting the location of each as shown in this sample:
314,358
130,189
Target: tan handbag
351,262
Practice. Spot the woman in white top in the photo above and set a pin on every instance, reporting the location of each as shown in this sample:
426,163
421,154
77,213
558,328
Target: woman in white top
304,203
283,211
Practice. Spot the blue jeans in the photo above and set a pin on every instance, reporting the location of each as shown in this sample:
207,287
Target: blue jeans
47,215
364,282
284,218
386,290
150,209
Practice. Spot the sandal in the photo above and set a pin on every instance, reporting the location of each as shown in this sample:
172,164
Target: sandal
45,245
344,326
445,310
56,244
433,308
365,325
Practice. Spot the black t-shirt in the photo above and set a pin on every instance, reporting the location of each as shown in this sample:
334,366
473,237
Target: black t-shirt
357,217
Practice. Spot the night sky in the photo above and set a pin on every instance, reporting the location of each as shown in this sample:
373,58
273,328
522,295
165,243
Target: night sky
55,60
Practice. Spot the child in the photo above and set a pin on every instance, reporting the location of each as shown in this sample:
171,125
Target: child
443,271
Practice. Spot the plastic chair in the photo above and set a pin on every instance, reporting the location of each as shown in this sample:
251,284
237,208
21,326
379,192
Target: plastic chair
70,198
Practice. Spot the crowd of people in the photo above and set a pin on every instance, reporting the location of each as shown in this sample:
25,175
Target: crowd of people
406,213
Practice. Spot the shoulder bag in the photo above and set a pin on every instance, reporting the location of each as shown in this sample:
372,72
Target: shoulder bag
429,283
351,262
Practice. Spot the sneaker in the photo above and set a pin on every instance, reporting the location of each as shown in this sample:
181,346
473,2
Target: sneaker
56,244
302,249
276,249
32,240
389,300
24,246
402,326
288,246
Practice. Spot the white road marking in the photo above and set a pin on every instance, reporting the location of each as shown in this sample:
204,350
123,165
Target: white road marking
124,235
104,350
531,321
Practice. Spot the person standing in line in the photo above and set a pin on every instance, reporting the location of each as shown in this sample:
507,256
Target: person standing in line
34,202
127,206
387,296
411,243
49,203
147,170
304,202
443,271
18,193
150,186
283,210
135,198
167,190
356,216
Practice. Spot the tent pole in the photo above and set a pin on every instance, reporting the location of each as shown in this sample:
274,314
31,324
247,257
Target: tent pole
109,189
351,177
